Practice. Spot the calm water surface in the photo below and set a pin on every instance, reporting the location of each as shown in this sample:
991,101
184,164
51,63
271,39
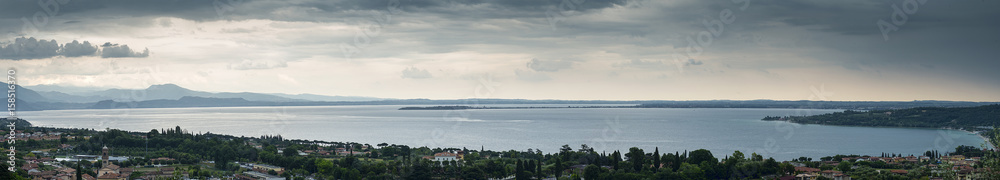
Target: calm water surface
720,130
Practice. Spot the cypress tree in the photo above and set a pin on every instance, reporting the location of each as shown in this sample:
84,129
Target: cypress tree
79,173
656,158
616,157
519,171
538,169
558,167
677,162
529,166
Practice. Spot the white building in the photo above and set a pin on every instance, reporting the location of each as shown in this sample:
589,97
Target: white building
445,156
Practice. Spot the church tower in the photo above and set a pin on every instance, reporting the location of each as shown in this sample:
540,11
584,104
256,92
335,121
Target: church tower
104,155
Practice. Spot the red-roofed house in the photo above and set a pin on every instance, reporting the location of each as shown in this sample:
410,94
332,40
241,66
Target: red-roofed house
807,169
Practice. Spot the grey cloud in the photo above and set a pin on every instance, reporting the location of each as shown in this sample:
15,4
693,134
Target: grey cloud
238,30
190,9
858,17
259,64
657,64
944,34
642,64
31,48
692,62
120,51
549,65
200,10
415,73
526,75
77,49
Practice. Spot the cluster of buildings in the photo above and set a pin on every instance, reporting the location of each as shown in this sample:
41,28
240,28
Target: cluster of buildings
22,136
891,160
345,151
259,172
108,170
809,173
322,151
963,167
57,172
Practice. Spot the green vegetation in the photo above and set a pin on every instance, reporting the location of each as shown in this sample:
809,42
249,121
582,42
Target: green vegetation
18,123
931,117
202,156
191,151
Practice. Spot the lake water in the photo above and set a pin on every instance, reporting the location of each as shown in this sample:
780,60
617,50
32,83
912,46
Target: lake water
606,129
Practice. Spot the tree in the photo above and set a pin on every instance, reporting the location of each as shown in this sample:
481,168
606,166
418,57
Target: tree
420,171
737,156
615,158
656,158
472,172
558,167
586,149
324,167
565,148
519,171
692,171
701,155
756,157
79,172
636,157
290,151
671,161
538,170
787,168
844,166
591,172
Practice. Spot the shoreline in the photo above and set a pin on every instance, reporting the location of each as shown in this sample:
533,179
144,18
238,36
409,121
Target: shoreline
985,140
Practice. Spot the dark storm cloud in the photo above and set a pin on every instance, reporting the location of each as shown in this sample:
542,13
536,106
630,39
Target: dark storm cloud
190,9
854,17
211,10
858,17
940,34
31,48
959,35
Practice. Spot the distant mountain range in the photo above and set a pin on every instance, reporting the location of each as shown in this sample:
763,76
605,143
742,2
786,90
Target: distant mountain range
62,94
315,97
163,95
174,92
170,95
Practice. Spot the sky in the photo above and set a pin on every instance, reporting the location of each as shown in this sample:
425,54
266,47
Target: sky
847,50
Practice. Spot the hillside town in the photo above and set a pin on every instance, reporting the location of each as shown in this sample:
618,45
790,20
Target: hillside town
69,154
